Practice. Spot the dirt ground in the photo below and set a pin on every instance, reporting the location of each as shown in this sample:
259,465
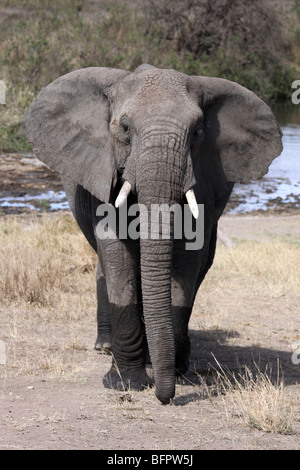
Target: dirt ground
51,390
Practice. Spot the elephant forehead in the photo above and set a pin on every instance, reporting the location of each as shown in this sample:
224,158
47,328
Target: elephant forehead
151,93
155,85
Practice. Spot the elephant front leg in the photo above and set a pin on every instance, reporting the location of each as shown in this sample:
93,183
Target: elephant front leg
129,348
104,331
129,344
184,285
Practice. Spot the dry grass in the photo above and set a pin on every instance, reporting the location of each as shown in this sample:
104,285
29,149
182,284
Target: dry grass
29,274
43,258
257,399
39,260
273,264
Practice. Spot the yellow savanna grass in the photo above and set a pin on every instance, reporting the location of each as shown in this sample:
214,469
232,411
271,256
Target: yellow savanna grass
259,399
37,258
272,263
38,255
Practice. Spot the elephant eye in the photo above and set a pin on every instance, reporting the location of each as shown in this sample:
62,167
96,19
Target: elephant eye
123,134
198,135
198,132
125,127
124,124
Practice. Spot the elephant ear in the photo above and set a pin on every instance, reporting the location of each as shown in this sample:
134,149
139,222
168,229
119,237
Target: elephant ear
68,124
239,128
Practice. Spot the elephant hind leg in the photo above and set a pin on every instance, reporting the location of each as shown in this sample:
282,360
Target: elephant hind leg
104,331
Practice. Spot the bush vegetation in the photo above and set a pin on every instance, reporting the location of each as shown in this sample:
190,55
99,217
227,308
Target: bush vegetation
42,39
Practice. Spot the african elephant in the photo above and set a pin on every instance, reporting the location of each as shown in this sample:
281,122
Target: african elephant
156,137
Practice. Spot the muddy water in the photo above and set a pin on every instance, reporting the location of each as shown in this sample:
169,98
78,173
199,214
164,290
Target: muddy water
27,185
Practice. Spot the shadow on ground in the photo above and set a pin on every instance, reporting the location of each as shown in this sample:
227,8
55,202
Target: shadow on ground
210,352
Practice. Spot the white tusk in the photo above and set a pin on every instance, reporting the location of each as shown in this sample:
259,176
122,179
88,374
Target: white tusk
191,199
123,194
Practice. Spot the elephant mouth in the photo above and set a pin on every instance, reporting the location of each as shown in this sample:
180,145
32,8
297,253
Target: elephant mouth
190,197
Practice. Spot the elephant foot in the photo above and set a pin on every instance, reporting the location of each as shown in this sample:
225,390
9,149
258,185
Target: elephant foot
103,343
125,380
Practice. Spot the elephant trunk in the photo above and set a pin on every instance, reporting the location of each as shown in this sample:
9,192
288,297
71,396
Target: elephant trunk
156,264
160,181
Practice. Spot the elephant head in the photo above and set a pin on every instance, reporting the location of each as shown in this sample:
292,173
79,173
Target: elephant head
166,133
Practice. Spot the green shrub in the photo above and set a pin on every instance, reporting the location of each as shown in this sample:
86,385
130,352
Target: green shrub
42,39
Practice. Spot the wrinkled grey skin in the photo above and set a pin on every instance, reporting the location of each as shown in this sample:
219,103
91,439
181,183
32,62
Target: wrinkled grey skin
164,132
